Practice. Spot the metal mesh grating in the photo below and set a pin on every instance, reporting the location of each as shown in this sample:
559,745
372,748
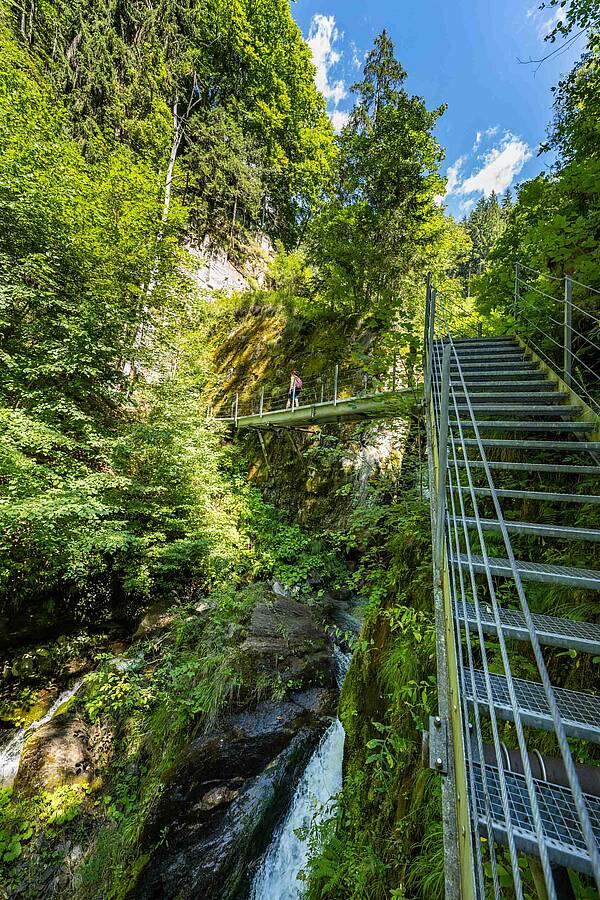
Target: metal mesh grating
563,835
580,712
584,636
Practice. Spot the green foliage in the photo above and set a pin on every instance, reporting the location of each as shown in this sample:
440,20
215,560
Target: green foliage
258,143
380,221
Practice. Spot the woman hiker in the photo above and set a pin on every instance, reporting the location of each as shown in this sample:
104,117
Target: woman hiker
294,391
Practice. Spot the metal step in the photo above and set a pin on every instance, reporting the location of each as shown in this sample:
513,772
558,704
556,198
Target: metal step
468,357
558,532
551,631
543,385
511,398
495,375
559,468
580,712
501,339
564,840
549,496
516,425
544,572
549,446
534,409
517,365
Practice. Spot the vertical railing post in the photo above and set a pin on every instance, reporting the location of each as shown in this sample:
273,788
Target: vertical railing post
479,328
395,368
237,403
517,289
335,385
262,401
429,345
322,391
568,332
365,383
427,303
442,457
294,395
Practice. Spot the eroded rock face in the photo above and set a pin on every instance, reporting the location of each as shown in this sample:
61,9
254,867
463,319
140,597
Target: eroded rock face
216,815
57,753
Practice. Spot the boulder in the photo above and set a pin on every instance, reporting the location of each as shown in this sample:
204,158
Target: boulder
57,753
283,637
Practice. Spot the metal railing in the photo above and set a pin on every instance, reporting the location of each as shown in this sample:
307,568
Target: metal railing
559,319
496,812
340,383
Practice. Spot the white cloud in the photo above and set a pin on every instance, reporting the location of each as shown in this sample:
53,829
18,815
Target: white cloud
321,39
501,166
543,23
453,175
477,140
339,118
357,58
465,206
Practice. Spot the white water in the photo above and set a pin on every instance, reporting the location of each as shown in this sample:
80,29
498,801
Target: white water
277,877
10,754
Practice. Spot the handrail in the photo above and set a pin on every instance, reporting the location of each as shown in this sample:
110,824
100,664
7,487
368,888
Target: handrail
452,544
576,347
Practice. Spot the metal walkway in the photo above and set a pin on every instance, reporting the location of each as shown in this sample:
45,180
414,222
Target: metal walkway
384,405
514,465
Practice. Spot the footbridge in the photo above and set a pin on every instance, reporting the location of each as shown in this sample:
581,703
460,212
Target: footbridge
514,462
343,394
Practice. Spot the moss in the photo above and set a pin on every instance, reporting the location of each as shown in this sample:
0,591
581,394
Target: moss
390,805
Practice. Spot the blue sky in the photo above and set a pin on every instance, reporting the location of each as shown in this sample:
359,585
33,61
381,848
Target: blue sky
464,53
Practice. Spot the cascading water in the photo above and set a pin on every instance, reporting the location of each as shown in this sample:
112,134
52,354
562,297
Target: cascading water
277,877
10,754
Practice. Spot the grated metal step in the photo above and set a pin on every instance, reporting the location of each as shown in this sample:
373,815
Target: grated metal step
517,425
564,840
510,398
538,386
550,496
516,408
495,374
557,468
499,339
551,631
550,446
558,532
508,367
544,572
580,712
468,357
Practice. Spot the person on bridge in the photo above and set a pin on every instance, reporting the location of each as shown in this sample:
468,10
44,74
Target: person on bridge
293,401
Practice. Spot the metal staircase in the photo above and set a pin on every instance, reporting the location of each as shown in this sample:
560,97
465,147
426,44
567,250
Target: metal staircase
514,465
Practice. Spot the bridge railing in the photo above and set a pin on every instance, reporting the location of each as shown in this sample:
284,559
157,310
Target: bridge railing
340,382
558,317
492,807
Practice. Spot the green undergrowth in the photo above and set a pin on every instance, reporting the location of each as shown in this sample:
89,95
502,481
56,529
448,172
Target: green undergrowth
384,837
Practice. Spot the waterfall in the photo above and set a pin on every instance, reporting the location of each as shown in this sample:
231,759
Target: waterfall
287,855
10,753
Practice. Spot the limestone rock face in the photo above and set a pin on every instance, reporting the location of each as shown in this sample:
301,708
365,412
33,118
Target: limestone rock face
57,753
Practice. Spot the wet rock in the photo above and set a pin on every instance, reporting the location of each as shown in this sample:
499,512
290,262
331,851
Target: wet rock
283,637
57,753
154,622
216,815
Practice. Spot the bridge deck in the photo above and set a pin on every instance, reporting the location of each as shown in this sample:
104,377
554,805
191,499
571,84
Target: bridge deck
389,404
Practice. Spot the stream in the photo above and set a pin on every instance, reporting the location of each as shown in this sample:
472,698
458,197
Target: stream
287,855
10,753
